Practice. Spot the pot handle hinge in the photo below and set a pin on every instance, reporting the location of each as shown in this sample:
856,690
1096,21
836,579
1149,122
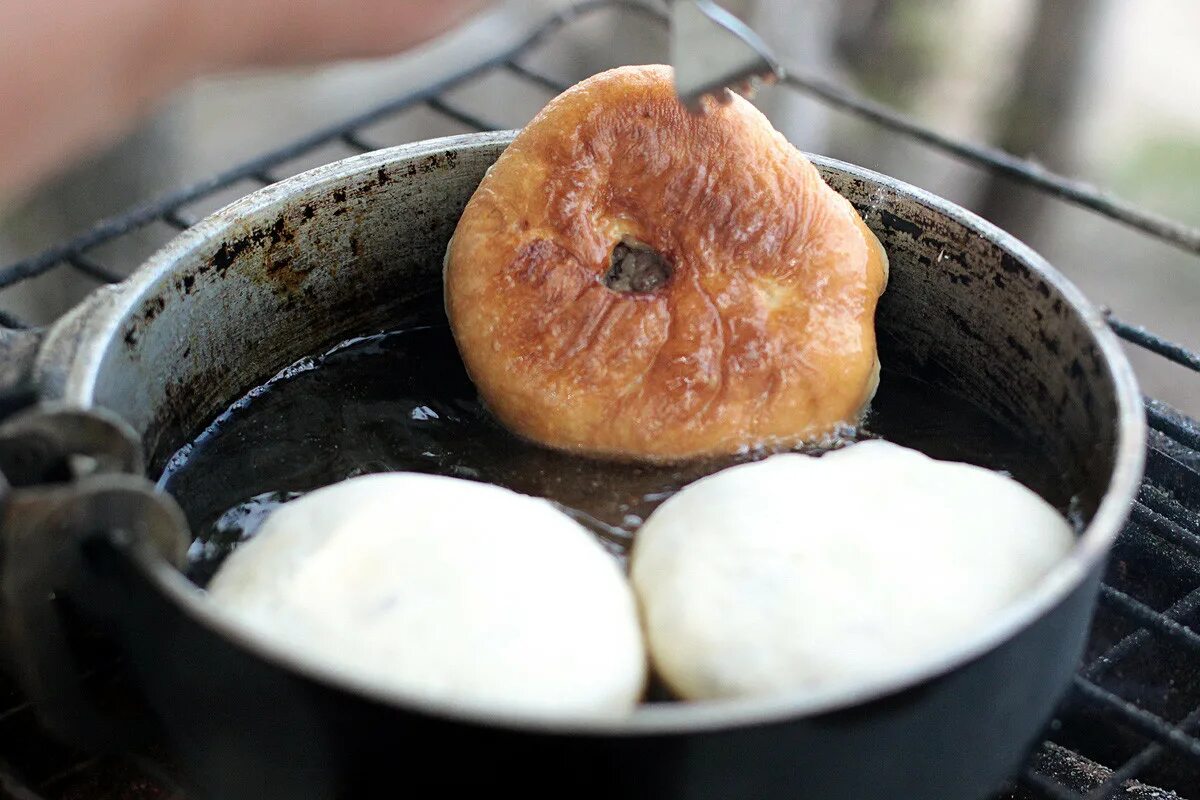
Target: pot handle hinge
72,495
18,351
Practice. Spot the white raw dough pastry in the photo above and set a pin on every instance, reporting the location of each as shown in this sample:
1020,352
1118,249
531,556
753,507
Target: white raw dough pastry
799,573
446,590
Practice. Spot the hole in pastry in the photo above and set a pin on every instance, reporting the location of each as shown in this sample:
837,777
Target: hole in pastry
636,268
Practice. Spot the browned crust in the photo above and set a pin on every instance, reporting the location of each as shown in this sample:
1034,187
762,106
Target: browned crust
764,333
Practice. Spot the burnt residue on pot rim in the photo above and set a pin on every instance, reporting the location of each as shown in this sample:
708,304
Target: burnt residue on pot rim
70,364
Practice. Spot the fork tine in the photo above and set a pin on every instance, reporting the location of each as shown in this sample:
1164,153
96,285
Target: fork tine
712,51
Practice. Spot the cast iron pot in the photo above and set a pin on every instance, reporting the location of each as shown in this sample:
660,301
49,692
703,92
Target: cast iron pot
337,251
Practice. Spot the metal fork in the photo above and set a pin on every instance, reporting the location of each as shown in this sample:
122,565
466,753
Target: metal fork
713,53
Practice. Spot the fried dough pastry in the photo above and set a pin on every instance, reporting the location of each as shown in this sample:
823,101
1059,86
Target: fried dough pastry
797,574
443,602
633,281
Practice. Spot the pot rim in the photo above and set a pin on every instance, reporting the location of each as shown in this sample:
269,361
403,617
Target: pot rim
76,345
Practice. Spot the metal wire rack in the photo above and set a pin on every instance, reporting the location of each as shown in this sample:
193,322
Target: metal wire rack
1130,727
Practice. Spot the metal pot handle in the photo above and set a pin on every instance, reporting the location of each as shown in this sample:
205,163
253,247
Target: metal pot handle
81,535
18,351
73,482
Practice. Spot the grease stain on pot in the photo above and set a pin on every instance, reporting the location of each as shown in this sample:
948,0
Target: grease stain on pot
895,223
1018,348
135,327
435,161
284,273
1011,265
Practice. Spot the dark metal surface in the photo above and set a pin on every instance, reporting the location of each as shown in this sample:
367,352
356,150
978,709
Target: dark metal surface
1130,723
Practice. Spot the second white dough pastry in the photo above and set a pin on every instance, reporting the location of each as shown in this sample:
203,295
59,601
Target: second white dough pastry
798,572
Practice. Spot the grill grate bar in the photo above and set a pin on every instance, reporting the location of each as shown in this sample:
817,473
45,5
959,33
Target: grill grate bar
1004,163
1100,665
1171,351
466,118
1138,764
1048,786
92,269
534,76
1164,528
176,220
1115,783
1150,619
353,140
1167,420
1137,718
1166,506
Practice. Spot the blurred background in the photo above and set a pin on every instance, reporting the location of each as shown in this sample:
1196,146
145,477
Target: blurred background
1098,89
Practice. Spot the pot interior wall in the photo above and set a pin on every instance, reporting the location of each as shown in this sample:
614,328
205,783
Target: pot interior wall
339,251
279,281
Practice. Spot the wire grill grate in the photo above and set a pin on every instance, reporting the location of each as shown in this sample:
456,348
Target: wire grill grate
1130,726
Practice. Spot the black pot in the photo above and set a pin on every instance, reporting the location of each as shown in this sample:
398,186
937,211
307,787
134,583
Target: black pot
338,250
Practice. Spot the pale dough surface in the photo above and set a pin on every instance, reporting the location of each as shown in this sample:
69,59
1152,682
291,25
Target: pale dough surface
443,589
798,572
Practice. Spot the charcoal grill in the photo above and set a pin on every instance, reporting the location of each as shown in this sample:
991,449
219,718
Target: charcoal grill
1129,727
